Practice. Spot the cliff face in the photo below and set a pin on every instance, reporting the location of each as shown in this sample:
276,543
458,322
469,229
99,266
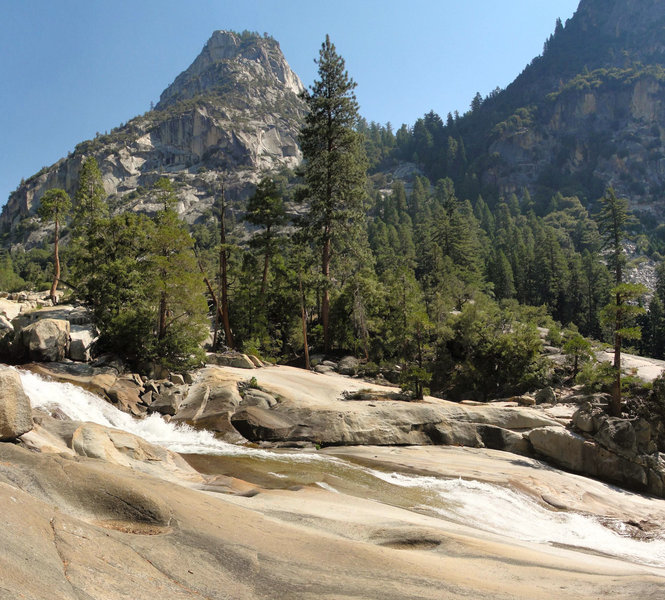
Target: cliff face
234,112
587,113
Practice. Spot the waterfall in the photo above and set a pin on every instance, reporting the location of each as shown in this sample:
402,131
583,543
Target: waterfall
80,405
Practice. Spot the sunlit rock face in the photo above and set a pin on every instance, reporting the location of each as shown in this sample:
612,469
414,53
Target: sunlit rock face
234,113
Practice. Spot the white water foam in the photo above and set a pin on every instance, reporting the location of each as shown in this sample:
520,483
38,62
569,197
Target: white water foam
484,506
81,405
509,513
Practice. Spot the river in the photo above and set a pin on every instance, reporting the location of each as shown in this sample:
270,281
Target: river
470,501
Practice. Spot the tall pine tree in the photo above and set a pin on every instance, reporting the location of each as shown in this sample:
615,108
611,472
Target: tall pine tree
335,166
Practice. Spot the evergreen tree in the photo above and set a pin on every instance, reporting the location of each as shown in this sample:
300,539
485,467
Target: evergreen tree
176,287
265,209
90,211
89,198
335,166
613,221
55,205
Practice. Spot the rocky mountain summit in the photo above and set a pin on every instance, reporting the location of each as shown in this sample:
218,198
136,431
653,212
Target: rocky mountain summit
234,112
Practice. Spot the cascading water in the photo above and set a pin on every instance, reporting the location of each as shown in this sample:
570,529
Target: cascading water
489,507
506,512
81,405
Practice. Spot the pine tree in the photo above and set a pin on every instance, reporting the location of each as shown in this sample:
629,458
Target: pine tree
90,212
265,209
55,205
89,198
176,286
335,166
613,221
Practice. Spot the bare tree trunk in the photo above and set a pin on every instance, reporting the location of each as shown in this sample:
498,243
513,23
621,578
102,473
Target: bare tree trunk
223,273
56,263
615,403
162,316
325,300
303,315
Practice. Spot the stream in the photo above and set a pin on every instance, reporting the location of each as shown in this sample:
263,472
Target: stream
486,507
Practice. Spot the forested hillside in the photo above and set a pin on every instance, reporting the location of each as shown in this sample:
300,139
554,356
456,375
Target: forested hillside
432,252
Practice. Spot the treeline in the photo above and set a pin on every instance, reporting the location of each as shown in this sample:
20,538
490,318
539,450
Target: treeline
433,285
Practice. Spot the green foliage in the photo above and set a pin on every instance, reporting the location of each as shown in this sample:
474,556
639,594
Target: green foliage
10,280
577,349
596,377
54,205
335,170
140,279
489,354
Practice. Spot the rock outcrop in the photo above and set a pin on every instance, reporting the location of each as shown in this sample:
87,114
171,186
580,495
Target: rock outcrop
15,410
234,112
46,340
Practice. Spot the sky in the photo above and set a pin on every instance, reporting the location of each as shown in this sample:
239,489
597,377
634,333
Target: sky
72,68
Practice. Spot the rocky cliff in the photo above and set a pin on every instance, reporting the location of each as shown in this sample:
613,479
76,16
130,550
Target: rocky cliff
587,113
234,112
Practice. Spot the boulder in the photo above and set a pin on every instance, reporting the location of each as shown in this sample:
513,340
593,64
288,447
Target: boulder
10,309
546,396
583,419
194,403
82,338
15,410
5,325
551,350
46,340
617,435
559,445
231,359
257,423
223,400
498,438
177,379
324,369
573,452
524,400
126,395
256,361
259,398
168,401
453,433
349,365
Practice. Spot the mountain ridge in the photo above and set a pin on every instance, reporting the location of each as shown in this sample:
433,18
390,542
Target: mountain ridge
212,121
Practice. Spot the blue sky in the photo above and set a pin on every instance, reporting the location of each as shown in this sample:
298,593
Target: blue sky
71,68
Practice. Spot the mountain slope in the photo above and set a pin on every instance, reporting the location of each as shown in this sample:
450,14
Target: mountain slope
586,114
234,112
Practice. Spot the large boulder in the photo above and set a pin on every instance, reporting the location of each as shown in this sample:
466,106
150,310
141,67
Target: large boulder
574,452
231,359
349,365
126,394
46,340
257,423
15,410
559,445
82,338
